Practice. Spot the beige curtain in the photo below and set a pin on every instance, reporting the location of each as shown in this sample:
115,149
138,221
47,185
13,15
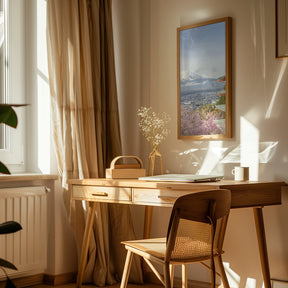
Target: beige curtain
86,124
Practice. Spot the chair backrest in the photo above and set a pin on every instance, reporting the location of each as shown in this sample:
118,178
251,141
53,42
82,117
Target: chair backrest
198,223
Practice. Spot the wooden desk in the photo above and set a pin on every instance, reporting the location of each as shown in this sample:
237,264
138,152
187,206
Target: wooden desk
243,194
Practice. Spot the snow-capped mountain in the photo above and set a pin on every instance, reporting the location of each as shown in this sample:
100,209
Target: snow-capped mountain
194,82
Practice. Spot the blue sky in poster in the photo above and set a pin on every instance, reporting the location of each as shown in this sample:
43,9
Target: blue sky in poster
202,51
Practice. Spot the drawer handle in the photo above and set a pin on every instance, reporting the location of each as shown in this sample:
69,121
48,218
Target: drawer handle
167,199
105,194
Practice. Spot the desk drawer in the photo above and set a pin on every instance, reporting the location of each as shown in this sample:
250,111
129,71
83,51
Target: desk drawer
157,197
102,194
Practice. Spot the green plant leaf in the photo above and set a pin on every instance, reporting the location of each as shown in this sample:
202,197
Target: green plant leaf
9,227
8,116
7,264
4,169
9,283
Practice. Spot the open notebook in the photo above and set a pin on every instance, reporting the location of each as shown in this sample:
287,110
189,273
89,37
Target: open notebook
183,178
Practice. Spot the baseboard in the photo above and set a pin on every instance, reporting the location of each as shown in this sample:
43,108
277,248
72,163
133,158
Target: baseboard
60,279
39,279
26,281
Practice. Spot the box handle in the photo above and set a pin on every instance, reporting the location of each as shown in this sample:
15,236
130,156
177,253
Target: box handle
113,163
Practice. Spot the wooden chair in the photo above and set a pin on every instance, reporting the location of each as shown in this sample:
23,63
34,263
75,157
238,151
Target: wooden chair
195,234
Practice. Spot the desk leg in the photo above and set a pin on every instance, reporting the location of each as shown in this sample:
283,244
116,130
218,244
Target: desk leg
260,229
147,222
85,244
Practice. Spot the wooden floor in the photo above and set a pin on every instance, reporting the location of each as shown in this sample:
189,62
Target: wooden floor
73,285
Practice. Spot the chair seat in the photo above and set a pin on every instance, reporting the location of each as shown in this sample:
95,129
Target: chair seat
153,246
156,247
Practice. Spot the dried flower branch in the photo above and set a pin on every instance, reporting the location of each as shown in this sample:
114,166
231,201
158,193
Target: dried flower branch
153,125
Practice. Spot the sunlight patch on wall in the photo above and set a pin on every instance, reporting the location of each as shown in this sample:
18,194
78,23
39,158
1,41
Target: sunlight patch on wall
213,156
207,158
249,155
250,152
279,79
231,154
202,13
43,91
265,154
186,152
250,283
233,277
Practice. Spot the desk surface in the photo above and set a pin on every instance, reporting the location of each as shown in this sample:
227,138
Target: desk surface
243,194
162,184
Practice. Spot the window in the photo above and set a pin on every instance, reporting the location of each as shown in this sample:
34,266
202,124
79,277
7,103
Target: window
12,80
24,70
2,66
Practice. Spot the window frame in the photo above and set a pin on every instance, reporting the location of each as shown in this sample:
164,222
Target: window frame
13,153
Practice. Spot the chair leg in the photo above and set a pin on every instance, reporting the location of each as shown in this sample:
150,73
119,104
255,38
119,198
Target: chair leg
166,276
212,278
222,272
171,266
184,276
126,270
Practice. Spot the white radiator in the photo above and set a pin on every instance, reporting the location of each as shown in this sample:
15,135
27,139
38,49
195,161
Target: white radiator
26,249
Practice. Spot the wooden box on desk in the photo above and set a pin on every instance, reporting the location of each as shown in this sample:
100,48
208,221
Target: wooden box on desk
125,171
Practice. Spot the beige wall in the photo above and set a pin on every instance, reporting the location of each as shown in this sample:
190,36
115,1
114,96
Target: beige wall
145,41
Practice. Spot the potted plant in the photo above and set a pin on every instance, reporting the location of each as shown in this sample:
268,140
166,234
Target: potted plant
7,228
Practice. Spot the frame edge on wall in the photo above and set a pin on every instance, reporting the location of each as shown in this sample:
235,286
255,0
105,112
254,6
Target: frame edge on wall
228,72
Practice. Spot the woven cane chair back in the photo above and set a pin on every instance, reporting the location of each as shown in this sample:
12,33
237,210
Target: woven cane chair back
196,224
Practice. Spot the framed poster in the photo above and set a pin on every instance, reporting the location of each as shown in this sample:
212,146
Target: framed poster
204,80
281,28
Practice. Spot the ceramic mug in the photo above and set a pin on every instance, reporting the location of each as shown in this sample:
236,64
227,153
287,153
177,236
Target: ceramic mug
240,173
